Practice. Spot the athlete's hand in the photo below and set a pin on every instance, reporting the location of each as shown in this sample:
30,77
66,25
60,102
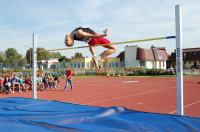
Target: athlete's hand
105,32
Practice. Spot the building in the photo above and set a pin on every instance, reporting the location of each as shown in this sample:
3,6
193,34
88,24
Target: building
84,63
130,54
112,63
191,58
87,63
152,58
48,64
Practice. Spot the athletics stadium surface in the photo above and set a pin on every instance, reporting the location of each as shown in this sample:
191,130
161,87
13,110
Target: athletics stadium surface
112,94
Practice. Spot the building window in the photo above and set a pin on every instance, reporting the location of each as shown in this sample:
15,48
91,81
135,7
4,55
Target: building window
87,65
53,66
113,64
142,63
184,54
160,57
79,65
117,65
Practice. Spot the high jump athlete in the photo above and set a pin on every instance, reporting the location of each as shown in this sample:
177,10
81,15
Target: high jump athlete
91,38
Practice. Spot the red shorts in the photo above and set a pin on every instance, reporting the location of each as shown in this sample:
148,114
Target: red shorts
101,40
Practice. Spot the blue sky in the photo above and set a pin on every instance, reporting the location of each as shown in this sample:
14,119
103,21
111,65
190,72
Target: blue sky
125,19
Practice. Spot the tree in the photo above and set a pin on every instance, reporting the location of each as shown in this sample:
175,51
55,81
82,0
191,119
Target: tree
77,55
55,55
12,57
28,56
22,61
63,58
2,59
42,54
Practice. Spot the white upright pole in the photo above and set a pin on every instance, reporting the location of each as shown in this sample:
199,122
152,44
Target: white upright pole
179,61
34,67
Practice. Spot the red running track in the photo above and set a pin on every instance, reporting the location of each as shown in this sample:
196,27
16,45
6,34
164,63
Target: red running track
150,94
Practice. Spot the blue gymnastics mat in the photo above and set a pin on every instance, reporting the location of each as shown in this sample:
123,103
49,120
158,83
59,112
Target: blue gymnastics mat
29,115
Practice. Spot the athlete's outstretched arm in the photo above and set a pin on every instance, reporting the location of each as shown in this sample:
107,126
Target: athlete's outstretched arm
85,34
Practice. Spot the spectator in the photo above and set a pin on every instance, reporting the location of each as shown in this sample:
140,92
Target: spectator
7,84
1,84
51,82
15,82
46,81
40,84
28,83
22,84
68,78
56,80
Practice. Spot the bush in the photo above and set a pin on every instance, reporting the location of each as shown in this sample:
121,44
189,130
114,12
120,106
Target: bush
134,71
142,71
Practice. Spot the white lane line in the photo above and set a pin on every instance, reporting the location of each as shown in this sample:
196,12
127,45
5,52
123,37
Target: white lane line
130,81
127,96
185,107
96,81
106,81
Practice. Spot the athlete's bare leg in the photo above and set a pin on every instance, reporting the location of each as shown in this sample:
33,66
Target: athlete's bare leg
110,50
93,52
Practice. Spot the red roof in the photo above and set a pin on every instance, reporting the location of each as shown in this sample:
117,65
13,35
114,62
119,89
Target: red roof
152,54
162,54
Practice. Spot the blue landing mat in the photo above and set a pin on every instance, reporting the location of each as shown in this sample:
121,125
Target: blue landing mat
28,115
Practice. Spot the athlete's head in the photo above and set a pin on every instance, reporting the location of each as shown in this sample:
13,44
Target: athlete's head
69,41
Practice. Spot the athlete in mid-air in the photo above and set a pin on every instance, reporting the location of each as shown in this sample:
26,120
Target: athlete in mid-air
92,38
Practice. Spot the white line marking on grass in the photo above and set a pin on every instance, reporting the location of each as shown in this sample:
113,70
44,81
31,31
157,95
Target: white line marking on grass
127,96
186,106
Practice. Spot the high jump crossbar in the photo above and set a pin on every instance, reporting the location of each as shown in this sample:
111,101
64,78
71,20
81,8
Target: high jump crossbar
179,58
117,43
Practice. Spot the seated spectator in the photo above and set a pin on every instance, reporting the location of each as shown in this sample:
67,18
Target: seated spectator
1,85
51,82
40,84
56,80
28,83
22,84
15,82
46,81
7,84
